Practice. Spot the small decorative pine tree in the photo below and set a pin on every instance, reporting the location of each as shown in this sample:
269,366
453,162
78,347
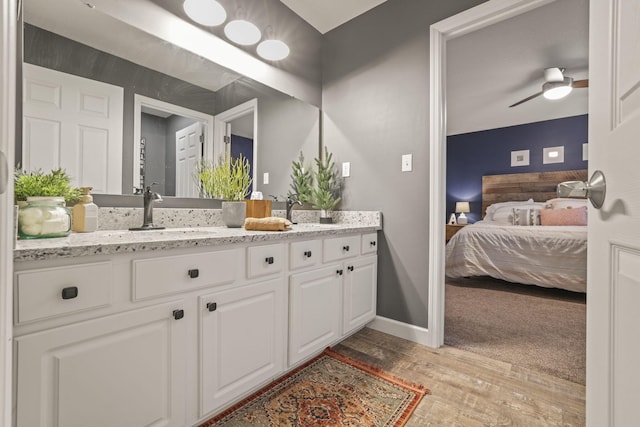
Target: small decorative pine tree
301,180
326,193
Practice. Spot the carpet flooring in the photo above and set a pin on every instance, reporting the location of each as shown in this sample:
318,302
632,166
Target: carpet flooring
538,328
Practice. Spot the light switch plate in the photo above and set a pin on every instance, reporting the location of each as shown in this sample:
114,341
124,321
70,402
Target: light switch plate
346,169
265,178
407,162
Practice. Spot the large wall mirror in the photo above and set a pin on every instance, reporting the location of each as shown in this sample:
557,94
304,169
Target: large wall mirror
167,97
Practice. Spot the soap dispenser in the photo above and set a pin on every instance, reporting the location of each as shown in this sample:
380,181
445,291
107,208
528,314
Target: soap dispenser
85,213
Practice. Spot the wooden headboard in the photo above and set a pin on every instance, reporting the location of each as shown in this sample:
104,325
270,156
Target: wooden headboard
539,186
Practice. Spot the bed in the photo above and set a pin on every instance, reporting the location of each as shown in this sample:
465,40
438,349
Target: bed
543,255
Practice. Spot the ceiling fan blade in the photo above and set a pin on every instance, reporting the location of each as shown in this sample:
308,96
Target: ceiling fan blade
529,98
580,83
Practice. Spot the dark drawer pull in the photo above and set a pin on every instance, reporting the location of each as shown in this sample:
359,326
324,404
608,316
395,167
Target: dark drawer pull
178,314
70,293
269,260
193,273
307,254
372,243
340,272
350,268
212,306
345,248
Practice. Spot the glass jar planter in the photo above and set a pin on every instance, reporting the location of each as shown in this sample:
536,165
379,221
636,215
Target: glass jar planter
44,217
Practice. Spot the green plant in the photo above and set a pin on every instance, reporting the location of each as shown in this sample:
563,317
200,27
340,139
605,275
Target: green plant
301,180
229,179
38,184
326,193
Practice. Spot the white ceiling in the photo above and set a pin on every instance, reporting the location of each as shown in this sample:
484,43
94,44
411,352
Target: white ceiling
492,68
325,15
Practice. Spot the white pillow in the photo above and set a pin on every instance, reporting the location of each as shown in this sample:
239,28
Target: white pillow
526,217
564,203
503,212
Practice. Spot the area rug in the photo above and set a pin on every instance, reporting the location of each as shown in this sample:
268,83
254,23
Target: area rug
330,390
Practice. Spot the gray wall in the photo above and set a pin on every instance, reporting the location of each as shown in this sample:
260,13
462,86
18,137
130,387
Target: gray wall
376,108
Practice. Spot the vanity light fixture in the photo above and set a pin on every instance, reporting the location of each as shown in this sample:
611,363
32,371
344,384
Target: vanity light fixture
242,32
273,50
205,12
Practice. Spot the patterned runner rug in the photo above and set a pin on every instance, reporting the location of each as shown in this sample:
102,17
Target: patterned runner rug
330,390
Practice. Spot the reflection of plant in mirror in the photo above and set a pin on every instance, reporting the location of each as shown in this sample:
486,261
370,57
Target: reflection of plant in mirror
326,193
38,184
228,180
301,180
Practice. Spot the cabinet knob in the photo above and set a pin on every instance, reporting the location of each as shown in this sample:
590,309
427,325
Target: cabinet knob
340,272
212,306
307,254
178,314
372,243
70,292
345,248
350,268
193,273
269,260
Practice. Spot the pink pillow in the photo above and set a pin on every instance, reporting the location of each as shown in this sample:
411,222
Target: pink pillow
575,216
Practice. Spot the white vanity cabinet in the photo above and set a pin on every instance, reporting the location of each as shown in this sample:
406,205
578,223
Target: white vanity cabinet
329,302
126,369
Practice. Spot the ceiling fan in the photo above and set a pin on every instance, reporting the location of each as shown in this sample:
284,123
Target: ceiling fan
556,85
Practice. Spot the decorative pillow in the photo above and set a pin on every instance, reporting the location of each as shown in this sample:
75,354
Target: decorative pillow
574,216
564,203
526,217
493,207
504,214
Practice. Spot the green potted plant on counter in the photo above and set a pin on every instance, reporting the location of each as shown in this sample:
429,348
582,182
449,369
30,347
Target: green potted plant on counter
230,181
42,199
301,181
325,195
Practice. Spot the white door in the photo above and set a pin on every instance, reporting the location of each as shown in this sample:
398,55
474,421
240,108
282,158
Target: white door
613,288
188,154
73,123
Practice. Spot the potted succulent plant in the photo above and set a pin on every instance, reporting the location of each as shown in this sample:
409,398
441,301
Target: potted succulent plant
325,195
230,181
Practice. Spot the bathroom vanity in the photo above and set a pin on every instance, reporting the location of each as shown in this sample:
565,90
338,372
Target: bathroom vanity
169,327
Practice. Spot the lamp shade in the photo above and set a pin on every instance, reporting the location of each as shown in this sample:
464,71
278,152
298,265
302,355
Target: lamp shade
462,207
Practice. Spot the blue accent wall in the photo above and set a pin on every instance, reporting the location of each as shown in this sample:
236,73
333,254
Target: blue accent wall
472,155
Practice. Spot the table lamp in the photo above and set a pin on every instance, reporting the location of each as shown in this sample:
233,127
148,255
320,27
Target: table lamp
462,208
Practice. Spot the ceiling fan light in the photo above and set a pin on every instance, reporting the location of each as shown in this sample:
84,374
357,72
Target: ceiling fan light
242,32
557,90
273,50
205,12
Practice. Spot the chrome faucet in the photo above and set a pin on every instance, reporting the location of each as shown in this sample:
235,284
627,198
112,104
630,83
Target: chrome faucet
292,199
149,197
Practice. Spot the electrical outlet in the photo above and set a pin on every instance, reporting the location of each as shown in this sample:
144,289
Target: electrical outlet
346,169
265,178
407,162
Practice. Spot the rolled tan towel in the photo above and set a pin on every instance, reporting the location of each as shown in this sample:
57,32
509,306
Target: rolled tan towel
271,223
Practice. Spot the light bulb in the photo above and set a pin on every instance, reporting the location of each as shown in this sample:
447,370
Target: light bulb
273,50
205,12
242,32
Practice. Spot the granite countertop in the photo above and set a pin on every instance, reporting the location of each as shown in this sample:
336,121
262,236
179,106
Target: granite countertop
108,242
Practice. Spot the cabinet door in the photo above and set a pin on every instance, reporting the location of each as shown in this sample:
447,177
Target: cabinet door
122,370
360,290
315,311
242,341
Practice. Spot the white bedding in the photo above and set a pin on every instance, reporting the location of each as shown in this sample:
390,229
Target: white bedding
548,256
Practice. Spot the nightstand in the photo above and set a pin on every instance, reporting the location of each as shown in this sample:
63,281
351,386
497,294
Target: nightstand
453,229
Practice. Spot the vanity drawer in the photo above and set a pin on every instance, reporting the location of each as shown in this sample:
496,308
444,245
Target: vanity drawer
155,277
304,254
51,292
265,260
369,243
339,248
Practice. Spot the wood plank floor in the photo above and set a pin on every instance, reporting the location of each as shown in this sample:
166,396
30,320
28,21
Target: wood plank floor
468,389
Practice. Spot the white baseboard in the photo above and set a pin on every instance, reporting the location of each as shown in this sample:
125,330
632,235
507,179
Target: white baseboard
409,332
